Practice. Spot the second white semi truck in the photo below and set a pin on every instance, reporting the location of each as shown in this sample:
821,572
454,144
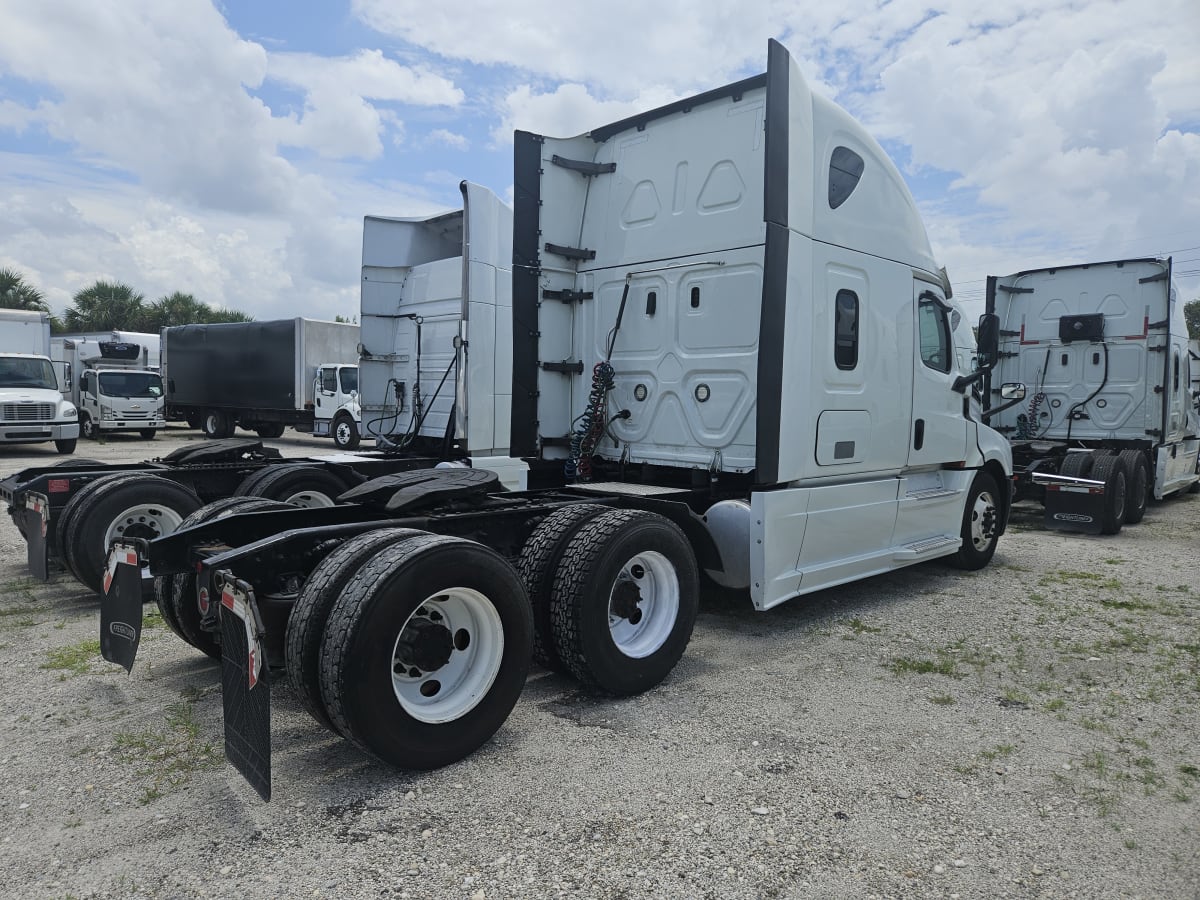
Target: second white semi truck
1110,421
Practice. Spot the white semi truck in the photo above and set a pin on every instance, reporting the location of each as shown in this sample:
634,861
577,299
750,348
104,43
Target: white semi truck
31,408
1110,421
731,351
430,286
110,380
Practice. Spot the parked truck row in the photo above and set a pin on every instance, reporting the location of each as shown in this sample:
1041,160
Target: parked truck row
582,407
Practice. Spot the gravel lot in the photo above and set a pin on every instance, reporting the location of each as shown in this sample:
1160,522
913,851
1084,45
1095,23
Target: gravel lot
1027,731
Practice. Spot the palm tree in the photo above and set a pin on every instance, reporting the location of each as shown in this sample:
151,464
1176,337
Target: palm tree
177,308
16,293
106,305
225,314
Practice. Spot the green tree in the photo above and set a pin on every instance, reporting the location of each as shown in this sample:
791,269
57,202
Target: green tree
1191,314
106,305
16,293
177,308
225,314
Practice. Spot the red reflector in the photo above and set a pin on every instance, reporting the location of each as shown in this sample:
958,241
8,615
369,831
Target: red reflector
58,485
199,566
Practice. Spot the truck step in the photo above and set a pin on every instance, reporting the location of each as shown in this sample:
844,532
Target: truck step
933,546
930,494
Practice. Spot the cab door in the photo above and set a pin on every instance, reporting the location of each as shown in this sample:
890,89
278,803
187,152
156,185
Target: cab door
325,396
938,430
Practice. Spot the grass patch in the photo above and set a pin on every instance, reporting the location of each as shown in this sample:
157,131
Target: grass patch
941,700
998,752
74,659
906,665
1127,604
858,626
1089,578
168,755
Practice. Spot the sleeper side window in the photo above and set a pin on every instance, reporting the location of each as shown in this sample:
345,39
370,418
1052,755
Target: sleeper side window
934,332
845,170
845,329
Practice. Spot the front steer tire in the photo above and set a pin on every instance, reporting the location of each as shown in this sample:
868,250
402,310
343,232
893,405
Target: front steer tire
401,608
980,526
624,601
345,432
66,446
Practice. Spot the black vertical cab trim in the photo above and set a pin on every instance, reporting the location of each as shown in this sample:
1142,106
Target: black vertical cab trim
775,182
1166,394
773,313
527,201
770,355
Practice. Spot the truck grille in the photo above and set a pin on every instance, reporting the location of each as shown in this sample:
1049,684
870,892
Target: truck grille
26,412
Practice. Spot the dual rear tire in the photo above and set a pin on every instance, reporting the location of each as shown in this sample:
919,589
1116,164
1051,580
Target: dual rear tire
128,505
413,646
416,646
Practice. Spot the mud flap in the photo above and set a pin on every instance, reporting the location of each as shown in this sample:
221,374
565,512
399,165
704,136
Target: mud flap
37,526
121,606
245,688
1075,508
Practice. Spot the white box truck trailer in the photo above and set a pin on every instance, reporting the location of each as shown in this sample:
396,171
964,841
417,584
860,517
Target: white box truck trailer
1109,421
31,408
731,350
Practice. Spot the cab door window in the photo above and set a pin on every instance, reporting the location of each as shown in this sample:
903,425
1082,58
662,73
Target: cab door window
934,331
329,380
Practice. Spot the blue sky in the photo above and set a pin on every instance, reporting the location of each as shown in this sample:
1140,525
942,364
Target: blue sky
231,149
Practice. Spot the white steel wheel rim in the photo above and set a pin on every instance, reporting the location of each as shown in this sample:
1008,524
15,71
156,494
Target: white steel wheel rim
657,583
453,689
310,499
137,520
983,520
341,433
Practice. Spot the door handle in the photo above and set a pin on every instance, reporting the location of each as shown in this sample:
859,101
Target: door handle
919,434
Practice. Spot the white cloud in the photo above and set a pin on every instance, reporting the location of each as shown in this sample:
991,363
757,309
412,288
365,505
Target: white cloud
624,45
338,121
1061,119
447,138
568,110
156,89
